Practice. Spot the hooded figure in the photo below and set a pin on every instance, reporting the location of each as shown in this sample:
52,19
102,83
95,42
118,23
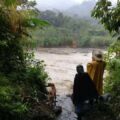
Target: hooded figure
83,88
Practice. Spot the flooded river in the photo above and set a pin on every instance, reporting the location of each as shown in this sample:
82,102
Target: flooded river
61,66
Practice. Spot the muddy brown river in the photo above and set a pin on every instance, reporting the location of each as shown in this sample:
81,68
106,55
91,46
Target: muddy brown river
61,66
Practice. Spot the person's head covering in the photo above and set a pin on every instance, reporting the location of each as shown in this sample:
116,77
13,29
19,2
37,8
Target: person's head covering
80,69
97,55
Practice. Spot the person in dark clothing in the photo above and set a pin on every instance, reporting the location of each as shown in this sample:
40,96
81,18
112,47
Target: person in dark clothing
83,89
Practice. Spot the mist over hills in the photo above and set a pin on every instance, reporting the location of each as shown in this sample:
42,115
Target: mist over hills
83,10
72,28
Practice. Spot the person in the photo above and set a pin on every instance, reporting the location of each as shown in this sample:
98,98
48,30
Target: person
95,69
83,89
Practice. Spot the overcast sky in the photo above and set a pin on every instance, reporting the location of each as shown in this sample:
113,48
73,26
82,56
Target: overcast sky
59,4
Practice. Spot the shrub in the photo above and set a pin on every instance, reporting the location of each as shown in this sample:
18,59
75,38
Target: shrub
22,79
113,79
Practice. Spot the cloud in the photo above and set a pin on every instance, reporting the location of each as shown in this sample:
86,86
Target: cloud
60,4
57,4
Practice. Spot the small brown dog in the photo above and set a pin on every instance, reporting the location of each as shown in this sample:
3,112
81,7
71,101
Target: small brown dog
51,94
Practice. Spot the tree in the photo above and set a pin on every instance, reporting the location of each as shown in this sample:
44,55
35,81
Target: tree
13,27
22,79
108,15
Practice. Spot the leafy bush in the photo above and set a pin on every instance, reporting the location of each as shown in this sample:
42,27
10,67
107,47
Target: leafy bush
113,79
22,78
108,15
15,89
62,37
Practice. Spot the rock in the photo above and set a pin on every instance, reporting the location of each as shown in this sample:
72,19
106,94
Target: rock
57,110
41,111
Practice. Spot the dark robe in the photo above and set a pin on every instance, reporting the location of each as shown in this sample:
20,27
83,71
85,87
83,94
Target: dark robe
83,89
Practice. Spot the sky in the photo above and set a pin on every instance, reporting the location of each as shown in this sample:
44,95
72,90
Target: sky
59,4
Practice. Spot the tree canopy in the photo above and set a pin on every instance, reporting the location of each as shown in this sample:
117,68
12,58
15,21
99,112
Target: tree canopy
22,78
108,15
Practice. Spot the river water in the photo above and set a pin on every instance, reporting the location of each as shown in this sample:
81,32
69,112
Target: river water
61,66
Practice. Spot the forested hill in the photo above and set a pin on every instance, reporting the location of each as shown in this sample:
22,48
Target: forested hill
83,10
69,31
71,28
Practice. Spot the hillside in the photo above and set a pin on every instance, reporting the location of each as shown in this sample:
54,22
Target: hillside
83,10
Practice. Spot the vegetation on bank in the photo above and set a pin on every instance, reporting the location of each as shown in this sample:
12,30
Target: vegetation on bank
22,78
113,79
65,31
109,16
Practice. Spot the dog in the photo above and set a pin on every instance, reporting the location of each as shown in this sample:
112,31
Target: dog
51,94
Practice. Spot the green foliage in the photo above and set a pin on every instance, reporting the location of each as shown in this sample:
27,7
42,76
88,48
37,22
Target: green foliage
68,31
10,58
22,78
113,59
112,84
9,2
32,22
108,15
35,72
9,100
113,79
16,87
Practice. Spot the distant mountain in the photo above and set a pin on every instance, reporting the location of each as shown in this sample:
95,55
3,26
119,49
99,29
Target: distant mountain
83,10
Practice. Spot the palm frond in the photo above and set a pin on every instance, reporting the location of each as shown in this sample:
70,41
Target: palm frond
33,22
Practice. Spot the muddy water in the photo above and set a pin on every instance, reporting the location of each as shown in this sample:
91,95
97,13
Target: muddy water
61,67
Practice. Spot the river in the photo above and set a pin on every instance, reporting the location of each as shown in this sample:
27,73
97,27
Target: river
61,66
